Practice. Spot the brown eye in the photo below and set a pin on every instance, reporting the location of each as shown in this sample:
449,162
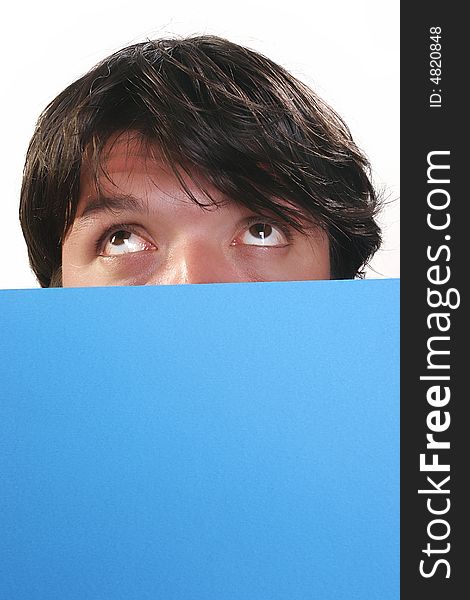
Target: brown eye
119,238
261,230
124,241
262,234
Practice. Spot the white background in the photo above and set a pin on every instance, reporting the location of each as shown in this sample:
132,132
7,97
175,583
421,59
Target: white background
347,51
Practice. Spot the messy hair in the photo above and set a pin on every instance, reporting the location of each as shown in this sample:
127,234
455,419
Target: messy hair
211,107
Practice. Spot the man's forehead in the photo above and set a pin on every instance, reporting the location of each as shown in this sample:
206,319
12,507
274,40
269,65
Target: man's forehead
131,166
124,151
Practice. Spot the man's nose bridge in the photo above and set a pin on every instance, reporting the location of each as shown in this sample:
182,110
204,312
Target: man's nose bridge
195,262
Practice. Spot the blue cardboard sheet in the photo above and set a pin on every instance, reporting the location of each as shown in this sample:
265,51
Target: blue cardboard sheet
233,441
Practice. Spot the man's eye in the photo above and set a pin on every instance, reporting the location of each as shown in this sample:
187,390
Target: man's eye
263,234
125,242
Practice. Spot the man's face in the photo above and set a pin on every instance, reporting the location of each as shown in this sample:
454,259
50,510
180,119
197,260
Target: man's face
144,230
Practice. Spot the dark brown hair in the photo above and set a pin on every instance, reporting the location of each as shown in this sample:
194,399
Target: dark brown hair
216,108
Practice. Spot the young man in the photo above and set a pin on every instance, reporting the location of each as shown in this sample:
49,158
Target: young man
194,161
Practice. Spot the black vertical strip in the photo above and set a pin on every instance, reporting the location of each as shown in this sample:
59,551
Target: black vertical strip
434,257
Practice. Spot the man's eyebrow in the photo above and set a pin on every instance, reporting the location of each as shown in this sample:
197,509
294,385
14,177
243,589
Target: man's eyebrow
115,203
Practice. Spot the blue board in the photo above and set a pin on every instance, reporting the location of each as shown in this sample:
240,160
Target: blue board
234,441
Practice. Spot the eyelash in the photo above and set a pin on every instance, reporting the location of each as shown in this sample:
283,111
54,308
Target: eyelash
108,232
